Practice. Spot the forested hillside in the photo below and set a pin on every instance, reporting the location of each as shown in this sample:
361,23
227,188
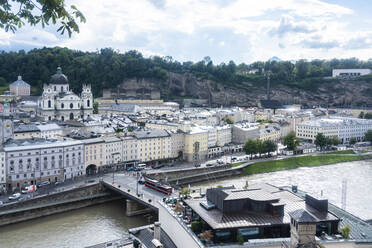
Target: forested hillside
107,68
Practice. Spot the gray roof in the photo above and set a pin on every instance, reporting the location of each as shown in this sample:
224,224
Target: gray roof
19,82
59,77
26,128
153,133
220,220
301,215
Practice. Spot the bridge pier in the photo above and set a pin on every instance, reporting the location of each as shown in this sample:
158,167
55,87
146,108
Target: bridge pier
134,208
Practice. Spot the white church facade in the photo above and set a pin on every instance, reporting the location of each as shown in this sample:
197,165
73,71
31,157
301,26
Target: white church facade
58,102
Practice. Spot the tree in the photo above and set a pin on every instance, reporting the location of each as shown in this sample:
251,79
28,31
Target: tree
335,141
15,14
229,121
321,140
291,141
361,115
352,141
95,108
270,145
250,147
368,136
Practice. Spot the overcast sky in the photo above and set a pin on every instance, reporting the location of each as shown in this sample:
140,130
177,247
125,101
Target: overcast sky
239,30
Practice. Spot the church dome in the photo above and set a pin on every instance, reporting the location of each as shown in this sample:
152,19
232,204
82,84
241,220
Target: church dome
59,77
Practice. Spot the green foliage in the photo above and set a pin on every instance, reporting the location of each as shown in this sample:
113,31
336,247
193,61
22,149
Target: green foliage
219,186
250,147
196,226
321,140
229,121
185,191
291,141
361,115
240,239
368,136
367,116
15,14
295,162
95,108
334,141
345,231
352,141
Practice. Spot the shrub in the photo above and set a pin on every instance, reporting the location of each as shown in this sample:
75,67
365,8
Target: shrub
150,200
345,231
196,226
128,190
240,239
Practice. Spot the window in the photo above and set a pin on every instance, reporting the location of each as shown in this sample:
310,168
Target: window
62,105
88,103
49,104
71,105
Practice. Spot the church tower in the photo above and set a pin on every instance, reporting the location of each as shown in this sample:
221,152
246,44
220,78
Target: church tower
87,101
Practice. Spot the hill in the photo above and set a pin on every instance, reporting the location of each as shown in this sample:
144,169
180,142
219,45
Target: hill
305,82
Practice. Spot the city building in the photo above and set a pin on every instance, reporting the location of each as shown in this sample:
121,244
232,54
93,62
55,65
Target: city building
196,145
350,72
20,87
33,161
2,172
6,129
177,144
50,131
95,155
153,145
342,128
241,132
26,131
58,102
129,151
224,135
270,133
258,212
113,150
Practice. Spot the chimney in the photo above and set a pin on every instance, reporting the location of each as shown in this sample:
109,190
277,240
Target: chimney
19,78
157,230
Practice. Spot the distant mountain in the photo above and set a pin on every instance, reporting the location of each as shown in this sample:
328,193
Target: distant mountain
274,58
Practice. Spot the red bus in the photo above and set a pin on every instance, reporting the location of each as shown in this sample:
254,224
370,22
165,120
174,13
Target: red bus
155,184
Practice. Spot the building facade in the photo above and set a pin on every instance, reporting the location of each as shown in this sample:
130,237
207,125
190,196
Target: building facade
45,161
153,145
196,145
2,172
342,128
58,102
95,155
20,87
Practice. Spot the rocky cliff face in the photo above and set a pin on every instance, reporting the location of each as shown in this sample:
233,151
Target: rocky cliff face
343,93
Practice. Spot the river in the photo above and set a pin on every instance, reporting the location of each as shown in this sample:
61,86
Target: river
77,228
326,179
107,221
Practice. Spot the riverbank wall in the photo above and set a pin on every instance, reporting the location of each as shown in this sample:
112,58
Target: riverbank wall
59,202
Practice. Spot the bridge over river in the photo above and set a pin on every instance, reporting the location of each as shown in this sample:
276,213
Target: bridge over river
140,199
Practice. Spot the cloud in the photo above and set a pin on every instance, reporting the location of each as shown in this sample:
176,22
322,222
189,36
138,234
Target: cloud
287,25
319,44
361,42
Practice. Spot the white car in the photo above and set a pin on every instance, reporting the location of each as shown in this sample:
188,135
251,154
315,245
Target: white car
14,196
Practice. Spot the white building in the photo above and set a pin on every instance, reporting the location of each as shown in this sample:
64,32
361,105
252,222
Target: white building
113,150
241,132
50,131
177,143
31,163
224,135
58,102
350,72
129,149
2,172
342,128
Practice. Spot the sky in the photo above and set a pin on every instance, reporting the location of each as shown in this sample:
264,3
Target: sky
239,30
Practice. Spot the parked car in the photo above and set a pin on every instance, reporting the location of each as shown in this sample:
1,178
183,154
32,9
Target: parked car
197,165
43,184
14,196
209,165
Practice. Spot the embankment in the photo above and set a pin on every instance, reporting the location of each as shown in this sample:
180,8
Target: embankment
55,203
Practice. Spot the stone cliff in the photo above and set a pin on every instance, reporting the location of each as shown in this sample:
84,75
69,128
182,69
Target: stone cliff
331,93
